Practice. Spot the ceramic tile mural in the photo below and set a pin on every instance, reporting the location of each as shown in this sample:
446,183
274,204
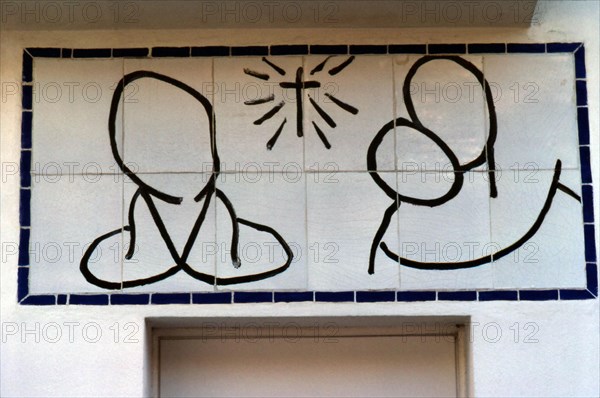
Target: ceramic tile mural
199,175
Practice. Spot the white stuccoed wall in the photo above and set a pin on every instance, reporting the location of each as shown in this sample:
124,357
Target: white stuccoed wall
563,362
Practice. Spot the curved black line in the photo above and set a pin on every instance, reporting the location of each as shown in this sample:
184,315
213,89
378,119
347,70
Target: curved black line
385,223
341,67
391,192
492,257
487,154
91,278
323,114
235,235
114,106
266,274
131,220
347,107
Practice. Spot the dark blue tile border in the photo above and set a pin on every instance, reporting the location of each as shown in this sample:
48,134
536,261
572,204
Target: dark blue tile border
25,207
416,296
129,299
375,296
252,297
25,169
250,51
368,49
44,52
525,48
495,295
26,124
292,49
407,49
446,48
27,97
27,67
583,125
585,164
170,51
321,49
538,295
590,243
130,52
580,63
591,272
42,299
587,197
24,234
92,53
171,298
562,47
292,297
573,294
211,51
488,48
335,297
577,49
581,90
22,283
212,298
88,299
457,296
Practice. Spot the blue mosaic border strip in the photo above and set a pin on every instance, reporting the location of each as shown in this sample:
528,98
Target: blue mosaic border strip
376,296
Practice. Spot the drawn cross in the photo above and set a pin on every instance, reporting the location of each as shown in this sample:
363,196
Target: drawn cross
300,85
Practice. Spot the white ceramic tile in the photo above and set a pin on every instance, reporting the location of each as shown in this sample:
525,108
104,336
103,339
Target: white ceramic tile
247,91
449,101
273,200
71,105
365,84
449,233
344,214
535,106
554,256
166,128
68,213
152,255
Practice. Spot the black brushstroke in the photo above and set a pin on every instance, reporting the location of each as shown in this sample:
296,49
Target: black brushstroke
569,192
347,107
273,140
486,155
277,69
319,67
262,76
322,136
259,101
321,112
341,67
270,114
150,194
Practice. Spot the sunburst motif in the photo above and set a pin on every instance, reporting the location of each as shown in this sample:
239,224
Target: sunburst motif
299,85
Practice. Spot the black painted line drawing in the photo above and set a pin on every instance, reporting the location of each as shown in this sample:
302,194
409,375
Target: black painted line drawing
486,156
299,85
149,195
